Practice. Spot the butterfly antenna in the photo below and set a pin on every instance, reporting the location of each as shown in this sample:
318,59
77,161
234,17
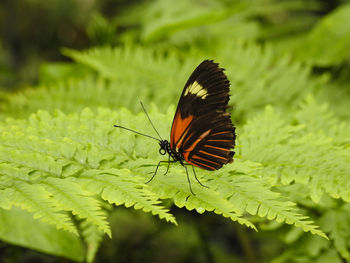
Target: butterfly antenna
117,126
150,120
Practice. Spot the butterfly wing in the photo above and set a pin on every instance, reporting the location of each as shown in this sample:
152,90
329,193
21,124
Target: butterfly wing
202,130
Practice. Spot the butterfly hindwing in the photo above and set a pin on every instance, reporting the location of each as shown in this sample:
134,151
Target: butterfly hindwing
202,130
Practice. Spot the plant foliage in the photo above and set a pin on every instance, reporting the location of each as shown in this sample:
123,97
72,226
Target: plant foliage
56,165
64,168
255,83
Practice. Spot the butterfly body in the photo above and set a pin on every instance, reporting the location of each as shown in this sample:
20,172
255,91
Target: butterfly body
165,148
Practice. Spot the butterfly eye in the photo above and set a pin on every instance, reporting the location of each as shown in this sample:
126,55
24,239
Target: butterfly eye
162,151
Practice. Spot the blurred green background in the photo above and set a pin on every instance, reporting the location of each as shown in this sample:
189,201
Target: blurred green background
275,52
34,31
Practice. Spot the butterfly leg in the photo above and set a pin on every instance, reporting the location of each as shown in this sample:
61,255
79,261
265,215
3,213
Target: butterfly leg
155,172
195,176
167,169
188,179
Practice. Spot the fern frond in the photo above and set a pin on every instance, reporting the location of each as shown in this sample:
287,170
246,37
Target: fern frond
332,216
121,188
92,237
62,153
151,66
176,186
143,73
337,223
234,183
232,193
52,72
51,151
255,197
70,197
319,118
291,153
259,76
35,199
69,95
18,226
267,79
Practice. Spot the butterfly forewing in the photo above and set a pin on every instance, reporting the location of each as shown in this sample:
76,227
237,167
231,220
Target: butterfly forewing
202,130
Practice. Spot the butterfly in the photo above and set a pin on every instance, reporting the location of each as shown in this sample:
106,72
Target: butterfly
202,133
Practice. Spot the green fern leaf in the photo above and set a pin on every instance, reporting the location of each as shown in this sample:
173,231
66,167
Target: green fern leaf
337,222
121,188
47,148
259,77
294,154
255,82
70,197
176,186
62,153
37,200
92,237
318,117
269,78
18,227
332,216
254,196
245,194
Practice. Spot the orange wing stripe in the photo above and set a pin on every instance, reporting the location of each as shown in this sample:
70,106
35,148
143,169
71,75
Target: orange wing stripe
206,160
179,127
196,163
180,141
218,148
216,156
219,140
218,133
188,150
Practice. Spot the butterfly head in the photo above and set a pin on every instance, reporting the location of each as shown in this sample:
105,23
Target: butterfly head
164,146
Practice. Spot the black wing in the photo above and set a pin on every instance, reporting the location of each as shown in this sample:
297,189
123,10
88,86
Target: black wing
202,130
